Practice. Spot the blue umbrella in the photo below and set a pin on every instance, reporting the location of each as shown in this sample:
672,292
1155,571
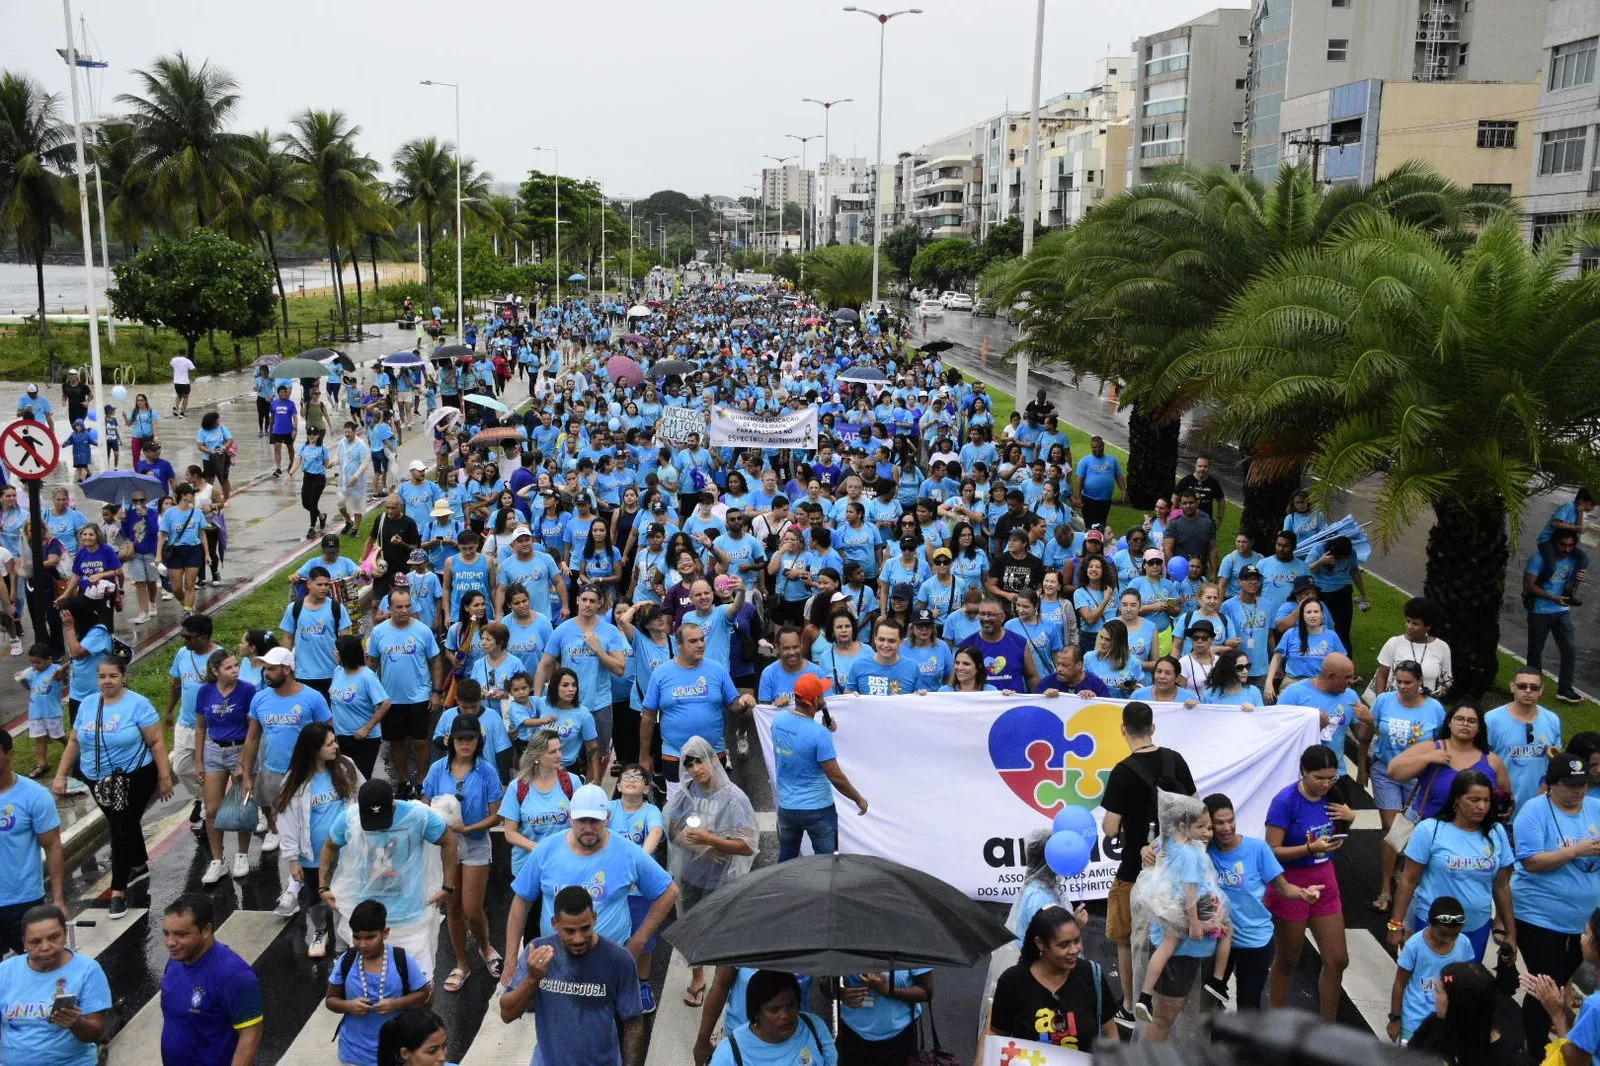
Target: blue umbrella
402,359
1312,547
576,277
745,298
118,486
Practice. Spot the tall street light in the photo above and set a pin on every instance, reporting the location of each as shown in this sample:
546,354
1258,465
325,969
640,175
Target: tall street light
461,321
1031,178
877,222
83,213
813,196
827,113
556,154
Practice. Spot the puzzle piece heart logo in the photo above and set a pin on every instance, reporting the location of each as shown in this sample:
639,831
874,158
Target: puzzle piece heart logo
1051,763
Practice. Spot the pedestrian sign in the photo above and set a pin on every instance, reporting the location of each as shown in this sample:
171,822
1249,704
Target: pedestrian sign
29,449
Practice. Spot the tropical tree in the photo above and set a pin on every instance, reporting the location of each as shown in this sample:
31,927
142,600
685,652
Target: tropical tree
194,284
182,124
1466,382
341,183
841,275
131,208
273,195
901,246
33,150
945,264
425,182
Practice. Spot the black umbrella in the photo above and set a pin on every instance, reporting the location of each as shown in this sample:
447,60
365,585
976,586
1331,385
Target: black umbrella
844,314
671,367
318,354
933,347
833,914
864,375
452,351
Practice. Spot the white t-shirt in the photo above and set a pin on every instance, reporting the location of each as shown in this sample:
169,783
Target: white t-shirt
1433,656
181,365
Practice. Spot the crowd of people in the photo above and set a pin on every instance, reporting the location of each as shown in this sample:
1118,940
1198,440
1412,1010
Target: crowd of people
561,625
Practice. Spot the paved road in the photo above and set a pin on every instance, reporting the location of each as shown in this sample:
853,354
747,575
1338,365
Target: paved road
1401,563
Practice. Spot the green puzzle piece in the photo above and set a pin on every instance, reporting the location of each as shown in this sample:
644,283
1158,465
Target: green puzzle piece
1048,793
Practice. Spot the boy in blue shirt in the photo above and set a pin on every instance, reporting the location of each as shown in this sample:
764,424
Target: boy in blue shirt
82,445
371,972
1422,959
42,679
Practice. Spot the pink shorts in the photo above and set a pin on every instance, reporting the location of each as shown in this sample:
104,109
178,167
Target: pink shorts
1298,910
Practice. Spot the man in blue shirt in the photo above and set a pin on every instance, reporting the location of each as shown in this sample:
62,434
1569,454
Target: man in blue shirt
1549,586
285,426
404,654
1007,660
31,824
311,628
1278,575
281,707
886,672
1098,475
418,494
210,997
807,771
689,694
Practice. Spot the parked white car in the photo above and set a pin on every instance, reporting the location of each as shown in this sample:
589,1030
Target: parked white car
919,295
956,301
930,309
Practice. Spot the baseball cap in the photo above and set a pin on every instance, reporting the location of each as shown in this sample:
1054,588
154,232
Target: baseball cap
417,464
330,542
1154,554
1200,627
655,529
417,556
589,801
1095,535
521,531
1566,768
902,591
442,509
278,657
1249,572
33,390
923,617
466,725
810,687
376,800
1301,584
908,544
659,507
938,552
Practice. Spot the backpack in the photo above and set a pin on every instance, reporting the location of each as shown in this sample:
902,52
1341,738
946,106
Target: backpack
811,1027
561,775
397,959
338,609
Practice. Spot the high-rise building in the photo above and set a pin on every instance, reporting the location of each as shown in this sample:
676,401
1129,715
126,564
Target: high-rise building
787,185
1564,137
1301,47
1189,93
844,185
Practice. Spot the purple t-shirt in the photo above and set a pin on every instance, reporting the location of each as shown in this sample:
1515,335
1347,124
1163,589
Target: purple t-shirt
89,565
1302,821
1002,660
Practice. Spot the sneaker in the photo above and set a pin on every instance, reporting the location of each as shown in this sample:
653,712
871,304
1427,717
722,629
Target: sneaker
166,595
1124,1019
278,472
197,813
318,948
288,904
311,531
1145,1009
743,744
261,822
269,842
241,866
322,521
647,998
118,908
1217,989
16,645
215,870
1569,697
200,582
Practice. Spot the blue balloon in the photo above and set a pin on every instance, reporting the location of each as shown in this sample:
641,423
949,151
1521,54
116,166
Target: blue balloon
1178,568
1067,854
1076,820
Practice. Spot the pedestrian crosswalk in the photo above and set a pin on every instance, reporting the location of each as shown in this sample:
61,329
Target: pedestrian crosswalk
500,1043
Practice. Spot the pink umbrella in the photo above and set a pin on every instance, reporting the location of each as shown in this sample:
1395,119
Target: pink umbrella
624,371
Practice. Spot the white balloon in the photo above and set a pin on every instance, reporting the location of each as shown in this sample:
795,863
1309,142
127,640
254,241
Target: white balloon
614,424
120,394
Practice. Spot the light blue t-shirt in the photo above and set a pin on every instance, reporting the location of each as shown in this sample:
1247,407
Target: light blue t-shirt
1585,1032
690,702
400,847
1527,756
1251,624
1460,863
26,1032
85,674
354,698
607,875
635,825
1186,865
316,633
535,814
1563,898
811,1045
27,809
880,1018
776,681
1243,874
1425,965
190,669
358,1034
1554,582
1398,726
120,742
934,663
405,657
44,692
869,677
569,647
1305,659
1339,707
478,791
281,718
325,802
496,738
183,528
800,745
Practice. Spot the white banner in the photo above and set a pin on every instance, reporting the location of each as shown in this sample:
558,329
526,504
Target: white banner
955,784
676,423
732,428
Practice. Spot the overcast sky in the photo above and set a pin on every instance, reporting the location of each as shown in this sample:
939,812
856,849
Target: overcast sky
640,95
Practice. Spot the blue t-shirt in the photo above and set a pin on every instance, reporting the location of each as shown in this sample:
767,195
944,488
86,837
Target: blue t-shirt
26,1032
190,669
496,738
183,528
1524,747
879,1017
1243,874
1002,660
1251,624
478,791
690,702
1555,582
1460,863
1425,965
204,1006
27,809
1302,821
111,738
569,647
574,725
536,815
776,681
405,660
1305,659
389,851
354,698
1099,475
869,677
580,999
1563,898
358,1034
607,875
1277,581
1585,1032
316,632
84,681
325,803
1186,869
227,717
934,663
1339,707
313,459
635,825
281,718
809,1045
800,745
1398,726
44,691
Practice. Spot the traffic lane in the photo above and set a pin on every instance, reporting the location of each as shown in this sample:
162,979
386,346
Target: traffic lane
1402,561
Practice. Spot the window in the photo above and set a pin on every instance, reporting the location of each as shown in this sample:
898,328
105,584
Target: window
1239,83
1572,64
1244,40
1338,49
1561,151
1589,260
1494,134
1341,3
1480,186
1461,56
1546,225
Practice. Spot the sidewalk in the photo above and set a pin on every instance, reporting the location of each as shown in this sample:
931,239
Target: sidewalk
266,525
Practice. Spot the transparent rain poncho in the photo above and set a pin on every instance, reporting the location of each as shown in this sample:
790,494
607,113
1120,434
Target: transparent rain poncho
1041,887
395,866
1160,893
720,807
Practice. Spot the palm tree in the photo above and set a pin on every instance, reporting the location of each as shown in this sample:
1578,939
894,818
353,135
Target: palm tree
131,208
33,150
425,186
181,120
1146,274
273,196
841,275
1467,381
340,180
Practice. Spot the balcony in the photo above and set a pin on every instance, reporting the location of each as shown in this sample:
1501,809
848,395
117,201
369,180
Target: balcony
1439,34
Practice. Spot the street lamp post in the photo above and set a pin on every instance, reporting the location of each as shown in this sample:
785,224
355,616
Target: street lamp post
556,155
877,222
630,247
827,113
813,196
83,215
461,322
95,125
1031,180
603,233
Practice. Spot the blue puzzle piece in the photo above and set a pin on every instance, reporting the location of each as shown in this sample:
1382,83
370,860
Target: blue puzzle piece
1018,728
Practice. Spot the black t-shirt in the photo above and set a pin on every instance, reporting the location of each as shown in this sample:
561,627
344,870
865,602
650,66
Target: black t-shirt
1009,521
1026,1010
1205,492
77,397
1134,798
1509,1050
395,555
1016,574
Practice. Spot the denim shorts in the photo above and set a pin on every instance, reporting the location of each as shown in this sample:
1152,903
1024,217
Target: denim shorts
1387,793
220,758
474,852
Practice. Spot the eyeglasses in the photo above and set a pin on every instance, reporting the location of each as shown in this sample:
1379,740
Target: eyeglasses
632,776
1467,719
1448,919
138,499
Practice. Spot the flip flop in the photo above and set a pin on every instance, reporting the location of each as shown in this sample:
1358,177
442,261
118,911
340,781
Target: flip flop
39,771
457,978
695,995
494,962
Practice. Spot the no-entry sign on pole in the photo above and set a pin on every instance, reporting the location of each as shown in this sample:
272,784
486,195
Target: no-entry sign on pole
29,449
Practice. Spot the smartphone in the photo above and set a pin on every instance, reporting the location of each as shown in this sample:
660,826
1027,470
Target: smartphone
65,1003
1340,836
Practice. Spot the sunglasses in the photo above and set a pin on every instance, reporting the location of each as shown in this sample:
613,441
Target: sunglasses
1449,919
1527,686
1243,668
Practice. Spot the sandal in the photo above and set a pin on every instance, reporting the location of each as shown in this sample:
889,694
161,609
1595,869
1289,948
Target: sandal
695,996
457,978
494,962
39,771
1382,903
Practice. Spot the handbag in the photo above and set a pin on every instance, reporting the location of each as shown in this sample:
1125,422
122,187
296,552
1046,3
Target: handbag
238,811
1405,823
167,554
936,1055
114,791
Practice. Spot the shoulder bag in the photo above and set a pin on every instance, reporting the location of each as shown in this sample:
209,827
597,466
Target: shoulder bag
113,792
1405,823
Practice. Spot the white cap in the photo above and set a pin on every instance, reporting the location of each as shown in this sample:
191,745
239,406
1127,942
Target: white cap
521,531
278,657
33,390
417,464
589,801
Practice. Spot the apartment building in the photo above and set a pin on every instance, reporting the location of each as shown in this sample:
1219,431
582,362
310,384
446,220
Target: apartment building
787,185
1188,93
1301,47
1565,134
